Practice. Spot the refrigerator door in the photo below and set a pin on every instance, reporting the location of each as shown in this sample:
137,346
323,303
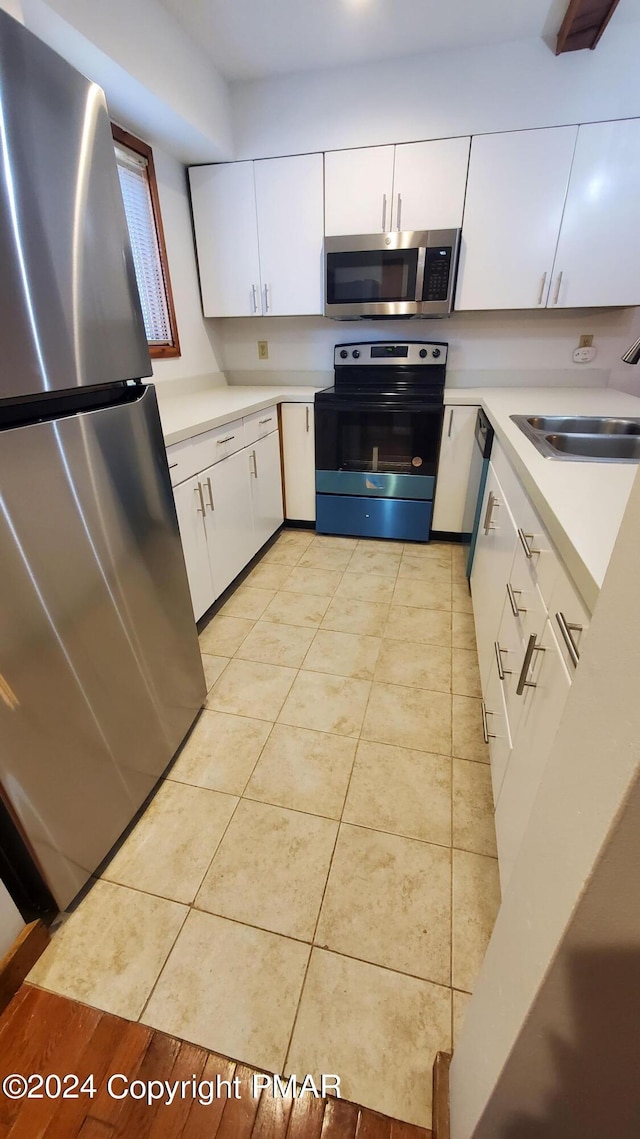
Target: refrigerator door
69,307
100,670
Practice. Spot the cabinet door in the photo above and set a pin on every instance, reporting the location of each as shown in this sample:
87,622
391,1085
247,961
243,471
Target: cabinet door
266,488
299,460
429,183
290,231
513,208
498,729
599,248
224,218
454,467
539,721
358,185
190,506
491,565
229,522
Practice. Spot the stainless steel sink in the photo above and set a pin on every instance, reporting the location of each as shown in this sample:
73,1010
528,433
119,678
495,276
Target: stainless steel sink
595,439
584,424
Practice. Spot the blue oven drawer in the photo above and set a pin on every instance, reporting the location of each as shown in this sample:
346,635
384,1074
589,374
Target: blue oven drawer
402,518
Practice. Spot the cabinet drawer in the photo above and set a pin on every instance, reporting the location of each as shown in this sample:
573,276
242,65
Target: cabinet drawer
570,620
513,639
259,424
181,461
212,446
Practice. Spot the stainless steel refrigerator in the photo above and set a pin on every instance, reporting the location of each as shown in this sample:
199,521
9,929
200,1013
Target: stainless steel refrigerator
100,673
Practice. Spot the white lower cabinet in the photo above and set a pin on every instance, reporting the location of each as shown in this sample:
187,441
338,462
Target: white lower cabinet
452,513
299,461
543,698
190,509
265,488
228,521
226,513
530,625
497,538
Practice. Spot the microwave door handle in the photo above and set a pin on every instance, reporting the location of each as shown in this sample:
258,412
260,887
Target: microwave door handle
422,260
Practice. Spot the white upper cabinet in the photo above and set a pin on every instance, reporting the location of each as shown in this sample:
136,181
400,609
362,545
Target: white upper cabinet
513,210
224,216
358,189
599,249
429,183
289,203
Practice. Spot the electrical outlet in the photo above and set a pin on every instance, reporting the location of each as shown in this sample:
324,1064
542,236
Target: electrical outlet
263,349
585,341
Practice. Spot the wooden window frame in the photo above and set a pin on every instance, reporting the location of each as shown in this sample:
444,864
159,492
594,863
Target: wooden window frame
125,138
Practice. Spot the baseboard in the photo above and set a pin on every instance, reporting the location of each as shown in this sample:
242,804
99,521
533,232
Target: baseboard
440,1112
25,951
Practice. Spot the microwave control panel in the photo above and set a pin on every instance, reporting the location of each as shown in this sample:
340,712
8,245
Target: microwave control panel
437,271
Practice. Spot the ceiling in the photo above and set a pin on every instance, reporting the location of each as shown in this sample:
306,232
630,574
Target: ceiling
251,39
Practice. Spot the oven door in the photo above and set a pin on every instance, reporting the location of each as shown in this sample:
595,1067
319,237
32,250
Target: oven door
369,448
374,275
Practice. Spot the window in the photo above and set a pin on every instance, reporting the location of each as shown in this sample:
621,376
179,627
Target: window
142,209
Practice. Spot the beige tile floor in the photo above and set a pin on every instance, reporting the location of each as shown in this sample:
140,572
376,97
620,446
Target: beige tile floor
314,886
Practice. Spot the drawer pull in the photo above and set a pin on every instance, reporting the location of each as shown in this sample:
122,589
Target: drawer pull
255,464
511,594
210,494
566,629
227,439
502,671
307,410
488,518
263,421
525,539
487,735
172,466
201,508
531,648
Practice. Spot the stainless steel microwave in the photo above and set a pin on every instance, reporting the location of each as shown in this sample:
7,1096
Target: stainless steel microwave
377,275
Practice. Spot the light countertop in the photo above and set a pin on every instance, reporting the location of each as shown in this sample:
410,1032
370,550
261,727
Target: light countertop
190,414
580,503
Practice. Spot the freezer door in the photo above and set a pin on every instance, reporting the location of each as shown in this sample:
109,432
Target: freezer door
69,308
100,671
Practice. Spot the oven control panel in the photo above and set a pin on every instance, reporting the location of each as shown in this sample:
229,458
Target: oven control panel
390,352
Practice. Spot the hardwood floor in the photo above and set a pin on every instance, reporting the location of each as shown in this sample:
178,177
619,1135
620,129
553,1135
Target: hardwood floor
45,1034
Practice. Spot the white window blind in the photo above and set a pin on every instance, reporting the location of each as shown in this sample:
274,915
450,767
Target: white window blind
138,207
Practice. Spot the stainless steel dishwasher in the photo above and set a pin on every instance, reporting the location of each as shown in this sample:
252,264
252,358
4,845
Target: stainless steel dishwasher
478,478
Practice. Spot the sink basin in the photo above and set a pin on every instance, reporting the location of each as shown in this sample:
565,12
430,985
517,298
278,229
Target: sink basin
585,424
613,447
585,438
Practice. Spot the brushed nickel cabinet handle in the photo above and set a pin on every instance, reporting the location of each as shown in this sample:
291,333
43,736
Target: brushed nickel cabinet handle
267,303
488,518
556,297
172,466
263,421
227,439
542,285
567,629
511,594
200,508
384,212
210,494
255,464
531,648
487,735
450,417
254,293
399,211
307,410
502,671
525,539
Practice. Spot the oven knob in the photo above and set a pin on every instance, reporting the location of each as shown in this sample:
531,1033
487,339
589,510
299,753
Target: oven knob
344,354
423,353
355,353
436,353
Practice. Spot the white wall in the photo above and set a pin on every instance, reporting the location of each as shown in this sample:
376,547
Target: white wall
485,348
500,1067
196,335
10,921
149,67
495,88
